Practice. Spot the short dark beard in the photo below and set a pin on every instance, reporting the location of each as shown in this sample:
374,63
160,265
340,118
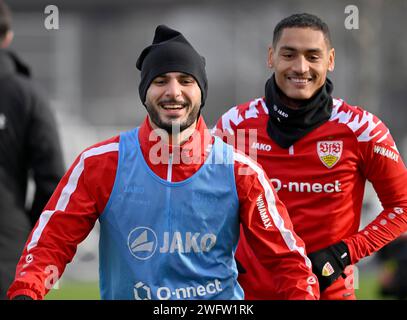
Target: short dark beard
168,127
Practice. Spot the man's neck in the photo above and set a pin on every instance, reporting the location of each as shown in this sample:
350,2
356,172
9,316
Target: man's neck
294,104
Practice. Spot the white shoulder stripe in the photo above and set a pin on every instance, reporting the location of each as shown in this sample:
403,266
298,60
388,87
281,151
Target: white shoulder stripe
253,111
355,121
68,189
263,104
235,117
271,206
231,116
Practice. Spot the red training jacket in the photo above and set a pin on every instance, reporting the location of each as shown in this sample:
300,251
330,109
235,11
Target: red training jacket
321,180
83,192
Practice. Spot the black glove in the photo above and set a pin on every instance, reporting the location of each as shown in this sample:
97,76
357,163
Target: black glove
328,263
22,297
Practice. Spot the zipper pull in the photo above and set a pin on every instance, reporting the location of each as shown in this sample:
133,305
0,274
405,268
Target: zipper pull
169,169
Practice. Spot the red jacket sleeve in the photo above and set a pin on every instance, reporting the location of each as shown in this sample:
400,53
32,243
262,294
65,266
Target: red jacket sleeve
67,219
381,164
269,232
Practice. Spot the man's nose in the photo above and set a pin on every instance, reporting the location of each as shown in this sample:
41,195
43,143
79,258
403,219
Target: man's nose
173,88
300,65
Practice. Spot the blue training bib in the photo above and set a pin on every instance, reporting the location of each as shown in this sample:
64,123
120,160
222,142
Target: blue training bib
170,240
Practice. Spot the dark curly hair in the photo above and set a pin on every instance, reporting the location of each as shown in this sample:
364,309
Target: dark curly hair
302,20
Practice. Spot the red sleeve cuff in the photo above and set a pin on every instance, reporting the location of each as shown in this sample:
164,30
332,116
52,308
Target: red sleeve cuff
352,253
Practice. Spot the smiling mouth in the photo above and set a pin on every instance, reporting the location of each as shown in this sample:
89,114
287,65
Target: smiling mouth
299,80
172,106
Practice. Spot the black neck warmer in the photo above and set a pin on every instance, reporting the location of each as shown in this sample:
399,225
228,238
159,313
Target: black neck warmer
286,125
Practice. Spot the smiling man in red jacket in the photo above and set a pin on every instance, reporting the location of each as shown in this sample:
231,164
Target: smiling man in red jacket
169,198
318,152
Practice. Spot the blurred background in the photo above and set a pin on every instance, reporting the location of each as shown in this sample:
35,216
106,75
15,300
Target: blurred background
87,70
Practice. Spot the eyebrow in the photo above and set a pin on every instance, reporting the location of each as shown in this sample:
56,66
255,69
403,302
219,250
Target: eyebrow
182,76
185,76
310,50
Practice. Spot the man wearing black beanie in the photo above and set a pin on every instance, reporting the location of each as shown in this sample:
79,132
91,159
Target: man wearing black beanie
170,51
169,198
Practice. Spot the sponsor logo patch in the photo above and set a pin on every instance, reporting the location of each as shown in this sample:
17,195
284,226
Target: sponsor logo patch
143,291
311,280
144,242
329,152
327,270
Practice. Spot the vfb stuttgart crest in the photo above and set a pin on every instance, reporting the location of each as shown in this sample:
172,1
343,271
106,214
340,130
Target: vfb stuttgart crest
329,152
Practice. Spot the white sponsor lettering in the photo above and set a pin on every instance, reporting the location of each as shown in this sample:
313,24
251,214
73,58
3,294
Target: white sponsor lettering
280,112
263,212
143,242
163,293
190,243
316,187
166,293
261,146
386,153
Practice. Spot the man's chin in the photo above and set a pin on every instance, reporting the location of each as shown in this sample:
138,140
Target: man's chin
299,95
174,126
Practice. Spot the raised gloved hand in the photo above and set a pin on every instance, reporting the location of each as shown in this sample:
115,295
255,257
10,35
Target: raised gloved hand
328,263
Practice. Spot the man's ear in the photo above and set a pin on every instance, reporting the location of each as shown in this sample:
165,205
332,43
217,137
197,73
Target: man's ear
270,60
8,38
331,60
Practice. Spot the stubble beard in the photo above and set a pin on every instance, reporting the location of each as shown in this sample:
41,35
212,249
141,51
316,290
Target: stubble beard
172,127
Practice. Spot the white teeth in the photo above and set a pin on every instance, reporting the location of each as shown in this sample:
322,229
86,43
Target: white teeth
172,106
297,80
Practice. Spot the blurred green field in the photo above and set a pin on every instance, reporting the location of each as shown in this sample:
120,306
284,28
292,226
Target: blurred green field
69,290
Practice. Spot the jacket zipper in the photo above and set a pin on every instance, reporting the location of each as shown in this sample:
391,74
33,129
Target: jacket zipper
169,169
169,178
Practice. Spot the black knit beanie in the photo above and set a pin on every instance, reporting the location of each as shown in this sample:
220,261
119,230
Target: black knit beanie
170,52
